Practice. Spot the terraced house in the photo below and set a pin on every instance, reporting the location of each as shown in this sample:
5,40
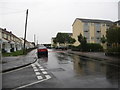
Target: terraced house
10,42
92,29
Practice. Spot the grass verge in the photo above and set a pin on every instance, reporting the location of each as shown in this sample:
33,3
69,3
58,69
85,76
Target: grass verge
17,53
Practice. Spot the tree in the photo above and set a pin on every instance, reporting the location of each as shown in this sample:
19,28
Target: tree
113,40
103,39
83,42
64,38
71,40
54,40
113,36
80,38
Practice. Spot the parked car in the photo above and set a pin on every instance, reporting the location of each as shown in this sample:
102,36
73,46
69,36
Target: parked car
42,50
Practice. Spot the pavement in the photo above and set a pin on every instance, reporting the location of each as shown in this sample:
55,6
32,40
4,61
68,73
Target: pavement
15,62
98,56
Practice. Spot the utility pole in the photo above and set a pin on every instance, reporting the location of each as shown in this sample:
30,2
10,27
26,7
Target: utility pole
25,31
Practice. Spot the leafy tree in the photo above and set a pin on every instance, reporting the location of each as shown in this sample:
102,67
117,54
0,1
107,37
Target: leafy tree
64,38
54,40
83,42
103,39
113,35
71,40
80,38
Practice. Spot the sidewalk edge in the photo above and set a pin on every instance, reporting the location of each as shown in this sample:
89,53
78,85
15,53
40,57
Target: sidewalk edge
7,70
95,58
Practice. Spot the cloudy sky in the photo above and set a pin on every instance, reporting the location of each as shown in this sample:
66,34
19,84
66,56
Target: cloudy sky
47,17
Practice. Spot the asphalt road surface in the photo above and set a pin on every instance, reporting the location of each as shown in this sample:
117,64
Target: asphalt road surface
63,70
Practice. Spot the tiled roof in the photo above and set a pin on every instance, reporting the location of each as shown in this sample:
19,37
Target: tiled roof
95,20
10,33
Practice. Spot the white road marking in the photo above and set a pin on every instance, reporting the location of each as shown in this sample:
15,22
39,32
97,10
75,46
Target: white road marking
39,77
37,73
44,72
33,65
38,64
30,84
42,69
48,76
35,70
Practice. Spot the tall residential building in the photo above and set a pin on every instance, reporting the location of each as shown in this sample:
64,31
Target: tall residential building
92,29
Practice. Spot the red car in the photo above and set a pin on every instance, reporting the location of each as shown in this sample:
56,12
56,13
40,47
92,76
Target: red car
42,50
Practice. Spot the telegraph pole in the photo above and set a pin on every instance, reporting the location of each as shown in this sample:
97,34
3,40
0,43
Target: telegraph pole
25,31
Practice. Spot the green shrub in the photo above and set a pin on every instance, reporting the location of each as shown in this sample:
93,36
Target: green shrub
113,49
90,47
94,47
75,48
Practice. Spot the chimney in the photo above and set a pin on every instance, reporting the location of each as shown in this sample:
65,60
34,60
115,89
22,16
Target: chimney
11,32
5,29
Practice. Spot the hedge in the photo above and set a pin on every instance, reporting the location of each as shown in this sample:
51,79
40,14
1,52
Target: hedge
90,47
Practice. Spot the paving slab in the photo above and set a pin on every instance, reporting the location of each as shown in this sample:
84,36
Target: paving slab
12,62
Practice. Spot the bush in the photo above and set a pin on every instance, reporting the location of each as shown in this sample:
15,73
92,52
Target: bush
94,47
113,49
90,47
75,48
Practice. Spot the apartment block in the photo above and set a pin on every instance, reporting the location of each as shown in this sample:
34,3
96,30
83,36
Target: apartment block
92,29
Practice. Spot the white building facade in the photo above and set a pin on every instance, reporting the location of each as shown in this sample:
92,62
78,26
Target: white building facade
9,41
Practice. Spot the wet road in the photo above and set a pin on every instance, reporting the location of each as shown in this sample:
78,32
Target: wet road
65,71
72,71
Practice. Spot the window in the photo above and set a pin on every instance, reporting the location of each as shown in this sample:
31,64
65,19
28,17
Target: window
103,24
92,24
8,37
86,27
5,36
98,31
2,35
92,37
85,30
98,38
11,37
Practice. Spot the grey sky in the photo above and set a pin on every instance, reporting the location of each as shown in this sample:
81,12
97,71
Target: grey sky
47,17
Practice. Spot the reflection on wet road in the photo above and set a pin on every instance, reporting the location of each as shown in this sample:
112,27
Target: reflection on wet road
77,72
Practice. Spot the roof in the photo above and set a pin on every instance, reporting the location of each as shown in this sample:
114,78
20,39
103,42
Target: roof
10,33
66,33
118,21
94,20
